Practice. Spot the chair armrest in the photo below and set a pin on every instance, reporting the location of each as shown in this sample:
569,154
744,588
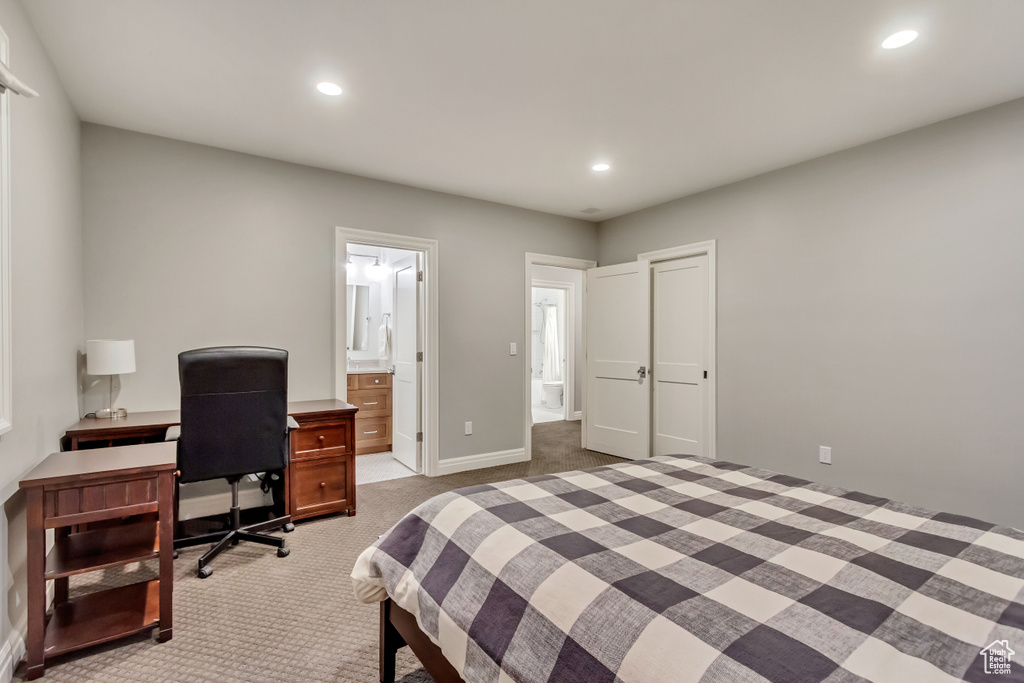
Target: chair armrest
173,433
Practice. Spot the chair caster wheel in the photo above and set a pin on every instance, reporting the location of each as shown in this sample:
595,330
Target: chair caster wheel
175,555
288,528
283,552
204,572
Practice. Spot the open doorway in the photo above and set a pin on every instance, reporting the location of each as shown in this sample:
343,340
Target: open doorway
555,336
382,339
551,382
385,351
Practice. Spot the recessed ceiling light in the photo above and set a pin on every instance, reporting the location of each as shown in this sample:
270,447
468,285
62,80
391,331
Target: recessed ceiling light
600,167
327,88
899,39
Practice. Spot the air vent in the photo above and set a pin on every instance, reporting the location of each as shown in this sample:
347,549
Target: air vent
592,209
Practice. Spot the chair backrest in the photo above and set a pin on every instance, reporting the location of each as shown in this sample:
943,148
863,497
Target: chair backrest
234,412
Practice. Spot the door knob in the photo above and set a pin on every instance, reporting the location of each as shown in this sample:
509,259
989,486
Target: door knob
641,373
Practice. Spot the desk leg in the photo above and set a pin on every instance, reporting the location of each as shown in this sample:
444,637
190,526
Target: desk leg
60,586
165,492
36,566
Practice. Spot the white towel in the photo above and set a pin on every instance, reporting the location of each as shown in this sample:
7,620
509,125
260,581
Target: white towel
384,338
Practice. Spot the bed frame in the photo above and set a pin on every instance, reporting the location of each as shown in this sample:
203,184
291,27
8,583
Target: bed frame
398,628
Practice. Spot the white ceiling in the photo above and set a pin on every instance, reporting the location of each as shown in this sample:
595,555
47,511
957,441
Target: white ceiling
514,101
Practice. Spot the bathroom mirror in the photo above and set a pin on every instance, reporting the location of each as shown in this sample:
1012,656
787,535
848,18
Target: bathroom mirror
358,310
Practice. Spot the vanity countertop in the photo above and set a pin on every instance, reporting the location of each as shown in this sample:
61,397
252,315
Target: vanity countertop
367,370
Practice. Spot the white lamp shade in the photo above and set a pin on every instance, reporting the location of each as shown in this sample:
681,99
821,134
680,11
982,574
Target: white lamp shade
110,356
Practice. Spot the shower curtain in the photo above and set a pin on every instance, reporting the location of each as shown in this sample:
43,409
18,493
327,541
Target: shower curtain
552,368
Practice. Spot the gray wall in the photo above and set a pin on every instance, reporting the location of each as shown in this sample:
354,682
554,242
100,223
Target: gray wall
46,247
872,301
189,246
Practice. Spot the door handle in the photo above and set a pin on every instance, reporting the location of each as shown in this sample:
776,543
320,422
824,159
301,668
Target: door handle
641,373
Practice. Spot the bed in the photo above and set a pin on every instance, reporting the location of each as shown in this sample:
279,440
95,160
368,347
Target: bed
689,569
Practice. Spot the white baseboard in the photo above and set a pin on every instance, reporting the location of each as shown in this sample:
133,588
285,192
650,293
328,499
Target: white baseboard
578,415
13,649
480,461
219,503
12,652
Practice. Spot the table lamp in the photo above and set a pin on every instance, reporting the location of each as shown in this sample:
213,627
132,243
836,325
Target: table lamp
110,357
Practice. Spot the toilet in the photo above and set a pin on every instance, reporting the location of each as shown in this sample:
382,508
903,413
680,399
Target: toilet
552,396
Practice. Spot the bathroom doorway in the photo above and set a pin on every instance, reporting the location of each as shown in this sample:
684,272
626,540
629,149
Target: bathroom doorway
554,387
386,350
383,330
549,352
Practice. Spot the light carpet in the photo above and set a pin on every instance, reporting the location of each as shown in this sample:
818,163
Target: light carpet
264,618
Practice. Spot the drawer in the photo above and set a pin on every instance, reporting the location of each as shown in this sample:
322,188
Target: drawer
373,435
374,381
371,402
353,382
322,486
319,437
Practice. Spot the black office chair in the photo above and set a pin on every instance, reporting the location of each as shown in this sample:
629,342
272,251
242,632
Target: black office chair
234,422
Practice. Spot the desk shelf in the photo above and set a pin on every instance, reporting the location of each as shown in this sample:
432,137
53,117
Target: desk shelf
71,489
102,548
102,616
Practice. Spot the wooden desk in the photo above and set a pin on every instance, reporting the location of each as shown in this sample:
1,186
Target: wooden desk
320,478
83,487
90,432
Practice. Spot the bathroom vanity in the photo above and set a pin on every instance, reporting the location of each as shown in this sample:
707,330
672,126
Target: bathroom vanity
371,392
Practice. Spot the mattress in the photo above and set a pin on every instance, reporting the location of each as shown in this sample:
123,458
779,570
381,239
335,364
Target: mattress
690,569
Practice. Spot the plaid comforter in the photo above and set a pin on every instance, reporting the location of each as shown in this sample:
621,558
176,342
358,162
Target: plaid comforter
689,569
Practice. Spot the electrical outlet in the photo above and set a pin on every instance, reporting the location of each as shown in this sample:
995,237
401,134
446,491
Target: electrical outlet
512,348
825,455
469,428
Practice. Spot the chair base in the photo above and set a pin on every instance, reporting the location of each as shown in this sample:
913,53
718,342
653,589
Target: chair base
222,539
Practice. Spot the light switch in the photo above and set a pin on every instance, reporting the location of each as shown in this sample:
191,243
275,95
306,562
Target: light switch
512,349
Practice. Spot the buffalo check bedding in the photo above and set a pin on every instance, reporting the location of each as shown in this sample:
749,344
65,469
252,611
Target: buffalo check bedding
689,569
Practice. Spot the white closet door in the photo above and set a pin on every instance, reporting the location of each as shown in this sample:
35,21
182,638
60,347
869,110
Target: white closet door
406,342
680,331
618,348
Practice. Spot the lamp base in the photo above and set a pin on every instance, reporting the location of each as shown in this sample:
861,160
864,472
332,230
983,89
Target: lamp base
110,413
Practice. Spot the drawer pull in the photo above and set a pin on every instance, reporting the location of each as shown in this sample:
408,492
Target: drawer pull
367,403
321,438
373,432
376,381
323,484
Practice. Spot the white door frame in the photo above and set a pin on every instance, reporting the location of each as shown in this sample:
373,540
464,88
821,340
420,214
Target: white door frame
560,262
429,389
696,249
569,381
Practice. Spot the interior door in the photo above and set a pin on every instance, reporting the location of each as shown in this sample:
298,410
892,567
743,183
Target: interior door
406,343
618,347
680,348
